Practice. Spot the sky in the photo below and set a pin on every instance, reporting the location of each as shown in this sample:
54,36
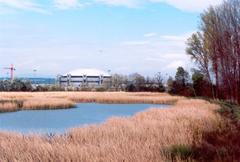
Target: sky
124,36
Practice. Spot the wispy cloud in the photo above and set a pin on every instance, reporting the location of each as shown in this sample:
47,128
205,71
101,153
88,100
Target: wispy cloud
67,4
175,64
32,5
181,38
184,5
168,51
23,5
189,5
126,3
124,57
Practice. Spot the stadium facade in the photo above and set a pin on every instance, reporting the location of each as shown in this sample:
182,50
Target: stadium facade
84,78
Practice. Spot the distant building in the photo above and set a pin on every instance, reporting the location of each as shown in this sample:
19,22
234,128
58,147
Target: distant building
85,78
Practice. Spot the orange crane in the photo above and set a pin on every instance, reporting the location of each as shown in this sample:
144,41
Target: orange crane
12,69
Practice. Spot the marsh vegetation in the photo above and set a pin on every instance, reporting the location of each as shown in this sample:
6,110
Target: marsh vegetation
14,101
147,136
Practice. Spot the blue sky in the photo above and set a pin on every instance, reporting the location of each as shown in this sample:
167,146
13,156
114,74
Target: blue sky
124,36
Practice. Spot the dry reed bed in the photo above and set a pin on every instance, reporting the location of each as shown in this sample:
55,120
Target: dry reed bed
8,107
47,103
13,101
143,137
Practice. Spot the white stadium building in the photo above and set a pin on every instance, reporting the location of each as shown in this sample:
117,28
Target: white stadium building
84,77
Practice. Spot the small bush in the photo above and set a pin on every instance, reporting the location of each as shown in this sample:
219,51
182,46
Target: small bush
100,89
181,151
230,109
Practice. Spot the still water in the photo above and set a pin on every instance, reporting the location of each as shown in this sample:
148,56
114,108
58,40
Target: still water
58,121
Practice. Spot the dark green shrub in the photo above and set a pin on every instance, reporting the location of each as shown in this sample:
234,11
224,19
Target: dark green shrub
181,151
100,89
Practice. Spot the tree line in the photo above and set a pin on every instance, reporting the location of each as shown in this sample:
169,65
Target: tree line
15,85
181,84
138,83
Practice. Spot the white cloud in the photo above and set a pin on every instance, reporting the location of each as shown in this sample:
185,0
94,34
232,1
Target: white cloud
190,5
175,64
22,4
173,38
162,53
66,4
54,57
126,3
185,5
181,38
174,56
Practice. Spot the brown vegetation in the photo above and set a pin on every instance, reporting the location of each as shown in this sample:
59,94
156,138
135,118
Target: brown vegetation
13,101
47,103
147,136
8,107
221,144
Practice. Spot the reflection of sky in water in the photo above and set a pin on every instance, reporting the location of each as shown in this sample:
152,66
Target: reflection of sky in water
54,121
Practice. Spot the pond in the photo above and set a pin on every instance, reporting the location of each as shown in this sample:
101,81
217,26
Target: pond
58,121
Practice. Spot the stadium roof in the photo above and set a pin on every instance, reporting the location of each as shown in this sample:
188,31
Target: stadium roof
87,72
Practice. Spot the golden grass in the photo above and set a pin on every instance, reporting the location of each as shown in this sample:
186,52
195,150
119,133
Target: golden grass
8,107
47,103
58,100
141,138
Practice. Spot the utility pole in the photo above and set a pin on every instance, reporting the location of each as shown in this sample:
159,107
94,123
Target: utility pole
12,69
34,76
35,71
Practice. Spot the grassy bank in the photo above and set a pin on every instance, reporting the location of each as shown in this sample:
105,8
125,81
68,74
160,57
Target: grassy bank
153,135
14,101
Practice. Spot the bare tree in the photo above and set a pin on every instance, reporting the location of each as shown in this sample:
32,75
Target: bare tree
119,81
197,50
219,47
159,81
